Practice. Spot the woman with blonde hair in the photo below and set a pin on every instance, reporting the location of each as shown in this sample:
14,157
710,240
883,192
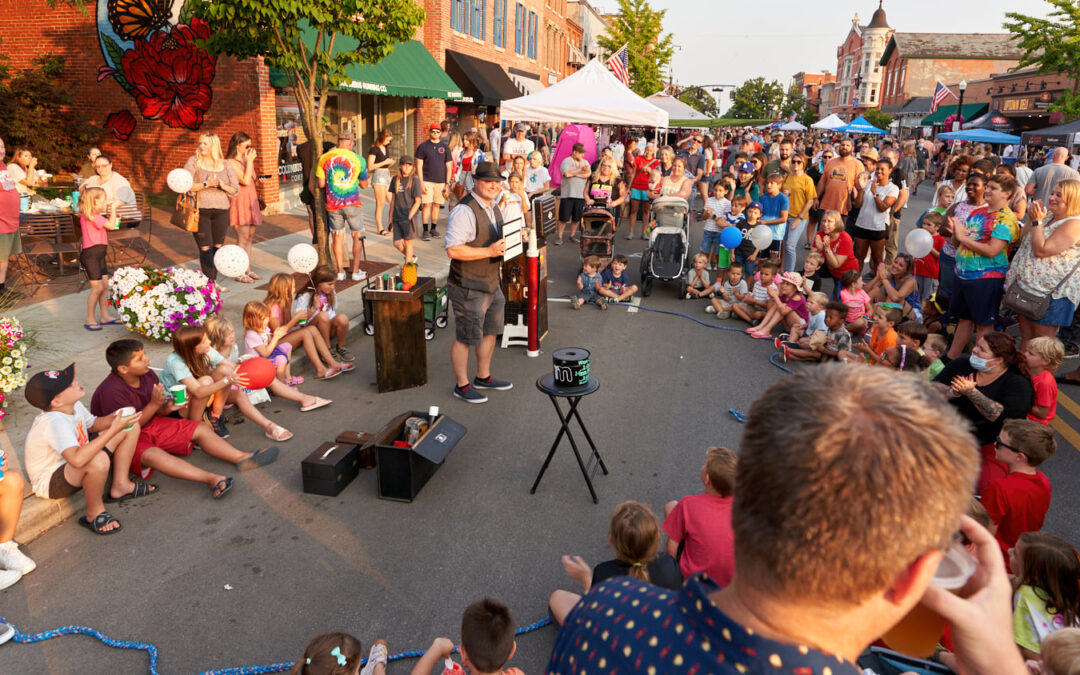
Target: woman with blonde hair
215,185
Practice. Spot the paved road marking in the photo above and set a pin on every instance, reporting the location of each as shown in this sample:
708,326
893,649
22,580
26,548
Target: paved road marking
635,302
1070,434
1070,405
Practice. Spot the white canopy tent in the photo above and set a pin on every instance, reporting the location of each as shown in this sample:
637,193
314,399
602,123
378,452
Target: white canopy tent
792,126
830,123
677,110
592,96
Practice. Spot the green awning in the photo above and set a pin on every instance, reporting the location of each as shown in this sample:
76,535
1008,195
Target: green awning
409,70
970,112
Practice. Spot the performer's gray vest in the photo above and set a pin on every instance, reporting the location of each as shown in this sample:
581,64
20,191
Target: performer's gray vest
483,274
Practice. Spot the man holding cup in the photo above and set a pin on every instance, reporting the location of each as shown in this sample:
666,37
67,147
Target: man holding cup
475,246
843,515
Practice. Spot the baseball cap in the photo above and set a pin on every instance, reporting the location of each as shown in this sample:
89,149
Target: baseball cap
406,159
747,167
756,205
521,126
346,135
435,127
44,386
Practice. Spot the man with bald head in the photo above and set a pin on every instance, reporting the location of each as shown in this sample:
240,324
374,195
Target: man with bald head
1044,178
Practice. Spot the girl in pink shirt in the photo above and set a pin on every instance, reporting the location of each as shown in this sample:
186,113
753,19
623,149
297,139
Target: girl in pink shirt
857,300
95,225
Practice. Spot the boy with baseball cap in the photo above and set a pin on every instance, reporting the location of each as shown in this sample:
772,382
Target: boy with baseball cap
61,458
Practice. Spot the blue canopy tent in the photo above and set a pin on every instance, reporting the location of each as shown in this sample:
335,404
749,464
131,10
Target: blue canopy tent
860,125
980,136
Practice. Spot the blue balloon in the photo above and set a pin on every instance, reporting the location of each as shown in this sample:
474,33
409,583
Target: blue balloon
730,237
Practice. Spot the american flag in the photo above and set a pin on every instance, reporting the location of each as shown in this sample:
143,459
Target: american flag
620,65
940,92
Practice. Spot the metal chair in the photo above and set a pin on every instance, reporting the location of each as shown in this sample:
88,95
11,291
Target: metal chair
51,234
124,244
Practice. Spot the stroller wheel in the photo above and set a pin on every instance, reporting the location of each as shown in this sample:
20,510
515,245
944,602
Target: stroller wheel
646,286
682,289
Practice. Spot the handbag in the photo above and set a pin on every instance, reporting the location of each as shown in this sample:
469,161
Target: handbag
186,215
1028,304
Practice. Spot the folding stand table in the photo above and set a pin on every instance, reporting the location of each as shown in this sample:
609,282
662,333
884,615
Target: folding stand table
546,384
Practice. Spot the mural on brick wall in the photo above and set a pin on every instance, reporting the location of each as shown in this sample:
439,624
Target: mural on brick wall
150,50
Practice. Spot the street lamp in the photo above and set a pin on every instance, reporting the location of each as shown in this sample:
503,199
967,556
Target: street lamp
958,124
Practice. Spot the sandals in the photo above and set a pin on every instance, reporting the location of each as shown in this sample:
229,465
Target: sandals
760,335
244,279
330,374
346,366
100,521
319,403
294,381
221,488
95,327
140,490
276,432
114,322
260,458
379,653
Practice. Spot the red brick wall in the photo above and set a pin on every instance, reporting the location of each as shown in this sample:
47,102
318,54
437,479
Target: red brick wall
242,96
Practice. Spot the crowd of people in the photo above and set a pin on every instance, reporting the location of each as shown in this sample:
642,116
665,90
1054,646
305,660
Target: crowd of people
801,550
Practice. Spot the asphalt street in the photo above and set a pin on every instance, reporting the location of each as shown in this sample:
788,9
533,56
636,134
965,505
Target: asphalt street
249,579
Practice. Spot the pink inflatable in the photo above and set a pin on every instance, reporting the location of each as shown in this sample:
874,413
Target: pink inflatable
572,133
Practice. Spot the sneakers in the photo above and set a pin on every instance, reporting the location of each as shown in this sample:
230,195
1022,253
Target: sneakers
575,238
359,276
11,558
426,236
602,304
723,315
343,354
491,383
6,632
688,296
341,276
558,241
710,309
469,394
434,232
218,425
630,236
9,578
574,304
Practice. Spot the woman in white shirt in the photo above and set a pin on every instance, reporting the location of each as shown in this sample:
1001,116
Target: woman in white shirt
874,198
23,170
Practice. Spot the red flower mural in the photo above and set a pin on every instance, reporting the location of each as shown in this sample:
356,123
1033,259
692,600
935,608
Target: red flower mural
170,76
121,124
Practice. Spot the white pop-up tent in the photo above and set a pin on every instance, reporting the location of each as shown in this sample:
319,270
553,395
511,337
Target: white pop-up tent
830,123
792,126
592,96
679,113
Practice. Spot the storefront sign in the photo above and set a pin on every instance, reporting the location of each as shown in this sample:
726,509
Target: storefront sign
1016,104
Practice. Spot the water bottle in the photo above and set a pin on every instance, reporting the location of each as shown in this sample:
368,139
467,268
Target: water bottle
24,202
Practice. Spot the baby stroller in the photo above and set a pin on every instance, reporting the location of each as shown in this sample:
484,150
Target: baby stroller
598,234
668,254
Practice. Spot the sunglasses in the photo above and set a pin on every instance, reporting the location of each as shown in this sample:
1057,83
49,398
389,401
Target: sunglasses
1001,444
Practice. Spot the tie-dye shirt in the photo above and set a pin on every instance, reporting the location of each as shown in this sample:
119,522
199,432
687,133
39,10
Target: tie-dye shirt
982,226
343,171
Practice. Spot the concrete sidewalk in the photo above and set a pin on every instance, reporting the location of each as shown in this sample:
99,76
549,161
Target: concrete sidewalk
58,321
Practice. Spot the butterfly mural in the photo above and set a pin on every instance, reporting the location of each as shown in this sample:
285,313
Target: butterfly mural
151,50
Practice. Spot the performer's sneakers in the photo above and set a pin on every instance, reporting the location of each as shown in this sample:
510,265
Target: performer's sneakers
491,383
469,394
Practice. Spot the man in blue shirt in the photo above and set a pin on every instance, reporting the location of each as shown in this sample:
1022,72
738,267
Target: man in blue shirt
842,516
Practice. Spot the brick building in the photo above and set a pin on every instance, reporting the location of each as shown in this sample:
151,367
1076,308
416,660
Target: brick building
808,85
914,62
858,75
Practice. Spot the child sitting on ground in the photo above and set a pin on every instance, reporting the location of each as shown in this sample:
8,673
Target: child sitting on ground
757,302
615,282
223,340
635,536
815,323
716,208
329,321
1047,596
812,272
301,327
904,358
883,334
831,346
260,341
698,526
1018,502
935,347
60,457
1044,355
487,643
786,306
927,268
857,300
697,279
341,654
589,284
732,291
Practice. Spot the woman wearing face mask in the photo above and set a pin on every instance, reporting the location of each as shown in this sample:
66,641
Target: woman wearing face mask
988,387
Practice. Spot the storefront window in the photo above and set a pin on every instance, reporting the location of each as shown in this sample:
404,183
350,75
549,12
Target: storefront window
290,134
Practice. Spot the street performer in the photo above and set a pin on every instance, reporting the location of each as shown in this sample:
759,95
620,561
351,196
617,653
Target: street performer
475,246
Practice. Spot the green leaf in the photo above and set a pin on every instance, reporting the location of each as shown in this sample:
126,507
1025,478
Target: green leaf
117,56
186,12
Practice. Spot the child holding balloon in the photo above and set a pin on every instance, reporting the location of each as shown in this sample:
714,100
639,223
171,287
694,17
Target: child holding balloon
223,339
260,341
716,207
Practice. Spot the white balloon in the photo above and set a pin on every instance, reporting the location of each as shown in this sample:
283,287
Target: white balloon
231,260
761,236
919,243
180,180
303,258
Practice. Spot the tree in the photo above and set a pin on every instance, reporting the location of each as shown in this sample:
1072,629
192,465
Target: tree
639,26
700,100
756,98
797,104
346,32
1068,104
1051,44
877,118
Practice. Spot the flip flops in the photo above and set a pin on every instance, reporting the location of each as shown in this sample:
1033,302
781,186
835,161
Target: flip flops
330,374
221,487
114,322
140,490
294,381
319,403
94,327
276,432
260,458
101,520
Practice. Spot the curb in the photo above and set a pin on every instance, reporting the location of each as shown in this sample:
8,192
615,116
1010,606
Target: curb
41,515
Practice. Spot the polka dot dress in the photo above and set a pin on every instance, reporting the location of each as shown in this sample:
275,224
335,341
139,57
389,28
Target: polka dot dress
626,626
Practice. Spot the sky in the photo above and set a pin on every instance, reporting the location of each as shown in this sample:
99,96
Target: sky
730,41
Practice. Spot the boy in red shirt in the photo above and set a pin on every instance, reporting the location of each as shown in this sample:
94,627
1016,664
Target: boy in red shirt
927,267
699,526
1018,502
1044,355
